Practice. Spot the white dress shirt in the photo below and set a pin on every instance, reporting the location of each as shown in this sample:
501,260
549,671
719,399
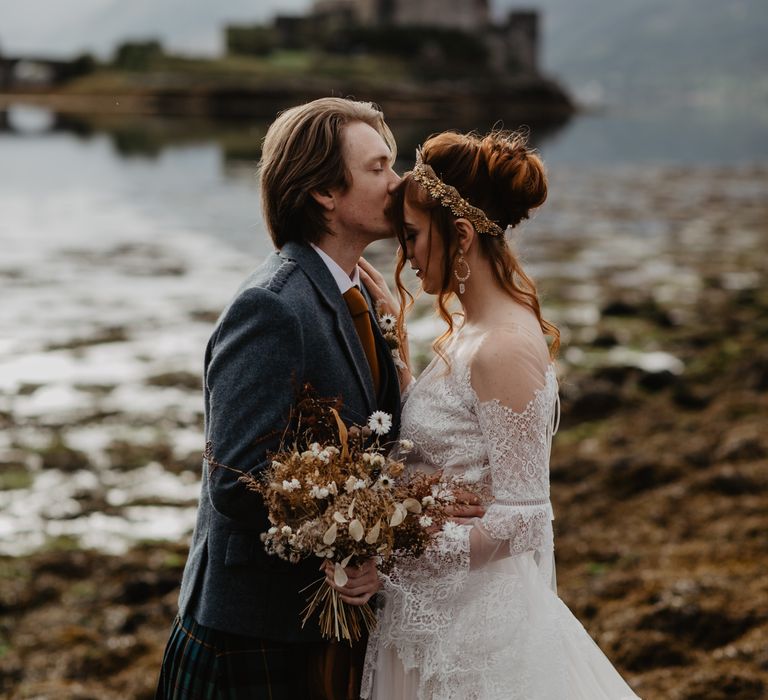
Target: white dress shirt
344,281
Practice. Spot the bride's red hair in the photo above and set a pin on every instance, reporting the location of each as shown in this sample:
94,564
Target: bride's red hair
497,173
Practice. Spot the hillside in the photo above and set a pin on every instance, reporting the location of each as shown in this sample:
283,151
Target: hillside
704,52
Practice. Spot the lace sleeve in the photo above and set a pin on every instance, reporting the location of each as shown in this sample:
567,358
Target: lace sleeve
516,394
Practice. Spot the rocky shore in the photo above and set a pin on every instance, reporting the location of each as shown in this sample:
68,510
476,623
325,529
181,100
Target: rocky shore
657,278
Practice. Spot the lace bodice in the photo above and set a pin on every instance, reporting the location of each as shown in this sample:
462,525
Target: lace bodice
500,441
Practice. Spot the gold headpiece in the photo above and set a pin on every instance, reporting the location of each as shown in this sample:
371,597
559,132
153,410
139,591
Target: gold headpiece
449,197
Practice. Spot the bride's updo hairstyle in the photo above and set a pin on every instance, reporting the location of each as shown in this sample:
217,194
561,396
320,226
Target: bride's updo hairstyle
496,173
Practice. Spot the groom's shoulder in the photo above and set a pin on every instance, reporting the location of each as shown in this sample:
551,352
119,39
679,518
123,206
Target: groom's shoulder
276,287
277,275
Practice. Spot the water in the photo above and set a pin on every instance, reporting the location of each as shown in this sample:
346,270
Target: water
120,246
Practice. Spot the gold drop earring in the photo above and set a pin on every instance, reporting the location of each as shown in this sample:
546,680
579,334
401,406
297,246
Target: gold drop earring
461,278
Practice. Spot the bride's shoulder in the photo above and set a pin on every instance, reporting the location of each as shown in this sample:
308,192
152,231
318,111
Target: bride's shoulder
509,363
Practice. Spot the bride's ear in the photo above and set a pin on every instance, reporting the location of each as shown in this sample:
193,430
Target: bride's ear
465,234
324,198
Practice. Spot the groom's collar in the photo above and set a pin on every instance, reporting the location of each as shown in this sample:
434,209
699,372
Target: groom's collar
342,278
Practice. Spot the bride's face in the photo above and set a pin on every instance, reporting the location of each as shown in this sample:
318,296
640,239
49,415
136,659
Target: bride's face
423,248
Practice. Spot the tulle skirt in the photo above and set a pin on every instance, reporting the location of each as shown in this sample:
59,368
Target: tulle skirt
509,637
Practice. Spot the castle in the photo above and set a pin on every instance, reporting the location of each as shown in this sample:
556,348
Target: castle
468,15
510,46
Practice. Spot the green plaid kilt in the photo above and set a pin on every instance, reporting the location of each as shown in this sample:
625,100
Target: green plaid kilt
201,663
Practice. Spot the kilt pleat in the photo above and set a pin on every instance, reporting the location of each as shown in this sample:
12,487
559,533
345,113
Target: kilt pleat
201,663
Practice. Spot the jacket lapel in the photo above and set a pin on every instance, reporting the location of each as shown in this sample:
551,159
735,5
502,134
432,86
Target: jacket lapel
322,279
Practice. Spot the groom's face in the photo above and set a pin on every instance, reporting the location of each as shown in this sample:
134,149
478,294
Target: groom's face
361,209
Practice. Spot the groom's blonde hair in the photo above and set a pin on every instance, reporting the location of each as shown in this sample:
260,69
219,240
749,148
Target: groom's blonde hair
302,153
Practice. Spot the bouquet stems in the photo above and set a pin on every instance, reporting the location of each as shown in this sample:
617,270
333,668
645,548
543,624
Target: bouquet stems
338,620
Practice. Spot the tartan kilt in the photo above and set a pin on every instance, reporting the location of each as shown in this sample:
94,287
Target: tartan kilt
201,663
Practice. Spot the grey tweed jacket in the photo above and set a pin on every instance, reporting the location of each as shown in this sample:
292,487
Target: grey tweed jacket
287,325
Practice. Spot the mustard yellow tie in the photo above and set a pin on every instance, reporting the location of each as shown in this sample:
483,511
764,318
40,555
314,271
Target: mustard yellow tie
358,308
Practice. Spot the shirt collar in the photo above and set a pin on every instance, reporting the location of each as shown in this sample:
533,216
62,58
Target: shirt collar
343,280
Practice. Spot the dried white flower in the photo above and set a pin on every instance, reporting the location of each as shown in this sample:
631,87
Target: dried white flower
354,484
387,323
380,422
427,501
425,521
286,530
406,445
453,531
319,492
292,485
378,460
472,475
385,481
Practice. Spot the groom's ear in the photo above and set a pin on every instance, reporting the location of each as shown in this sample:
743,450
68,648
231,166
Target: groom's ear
324,198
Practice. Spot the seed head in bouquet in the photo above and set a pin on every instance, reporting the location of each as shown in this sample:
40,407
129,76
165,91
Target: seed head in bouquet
341,494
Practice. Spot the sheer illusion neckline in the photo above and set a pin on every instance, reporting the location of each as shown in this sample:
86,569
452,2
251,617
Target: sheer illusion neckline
550,379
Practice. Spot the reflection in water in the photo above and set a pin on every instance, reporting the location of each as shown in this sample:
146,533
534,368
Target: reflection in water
611,137
238,139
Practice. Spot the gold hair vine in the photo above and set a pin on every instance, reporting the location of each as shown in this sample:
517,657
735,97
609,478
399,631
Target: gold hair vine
449,197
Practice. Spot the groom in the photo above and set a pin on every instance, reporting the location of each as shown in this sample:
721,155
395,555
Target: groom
326,180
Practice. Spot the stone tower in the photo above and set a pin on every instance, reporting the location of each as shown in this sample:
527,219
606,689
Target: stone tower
469,15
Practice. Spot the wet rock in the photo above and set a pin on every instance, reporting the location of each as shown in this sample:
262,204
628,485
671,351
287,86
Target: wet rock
656,381
58,455
605,339
620,307
643,651
127,456
6,419
191,462
631,475
731,482
593,401
28,389
67,565
14,475
724,685
180,380
756,374
148,586
110,334
572,471
701,627
618,375
691,395
742,443
642,308
205,315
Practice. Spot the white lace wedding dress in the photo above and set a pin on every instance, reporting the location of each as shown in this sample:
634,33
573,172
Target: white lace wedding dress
478,617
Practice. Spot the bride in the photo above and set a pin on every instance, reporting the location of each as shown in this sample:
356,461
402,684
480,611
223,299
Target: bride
478,617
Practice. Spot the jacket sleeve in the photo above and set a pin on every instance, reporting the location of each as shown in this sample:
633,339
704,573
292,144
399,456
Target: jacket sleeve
254,369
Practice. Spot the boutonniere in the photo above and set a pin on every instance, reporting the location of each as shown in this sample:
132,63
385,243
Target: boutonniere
391,332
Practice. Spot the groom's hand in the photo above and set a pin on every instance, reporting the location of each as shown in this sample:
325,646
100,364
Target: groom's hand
363,582
466,507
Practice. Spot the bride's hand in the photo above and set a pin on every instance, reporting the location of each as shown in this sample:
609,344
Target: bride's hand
363,581
386,303
378,289
466,507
